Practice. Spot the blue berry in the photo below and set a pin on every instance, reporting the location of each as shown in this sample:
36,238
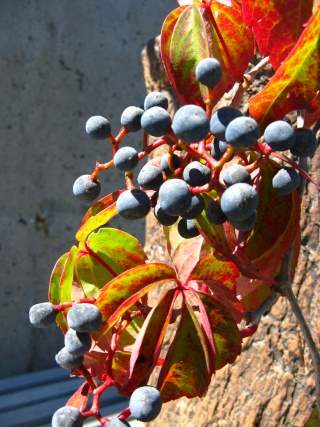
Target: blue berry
77,343
220,120
214,213
131,118
84,317
209,72
174,197
242,132
234,174
196,174
156,121
67,361
150,177
190,124
126,159
246,224
279,135
133,204
187,228
85,189
42,315
162,217
218,149
239,201
164,164
145,403
305,144
68,416
195,208
156,99
98,127
286,181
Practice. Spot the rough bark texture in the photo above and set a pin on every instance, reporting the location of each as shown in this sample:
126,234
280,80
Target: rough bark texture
271,384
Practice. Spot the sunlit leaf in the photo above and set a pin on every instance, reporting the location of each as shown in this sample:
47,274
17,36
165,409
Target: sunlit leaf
186,370
60,285
122,292
80,398
295,86
192,33
98,215
277,25
146,350
225,332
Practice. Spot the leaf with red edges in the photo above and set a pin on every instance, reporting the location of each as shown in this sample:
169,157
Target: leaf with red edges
295,86
98,215
186,370
226,335
192,33
80,398
95,362
60,285
146,350
277,25
123,291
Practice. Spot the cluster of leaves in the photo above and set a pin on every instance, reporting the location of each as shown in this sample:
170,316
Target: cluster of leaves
218,276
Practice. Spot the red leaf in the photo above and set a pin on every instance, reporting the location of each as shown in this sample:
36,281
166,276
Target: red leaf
80,398
295,86
146,350
277,25
192,33
187,369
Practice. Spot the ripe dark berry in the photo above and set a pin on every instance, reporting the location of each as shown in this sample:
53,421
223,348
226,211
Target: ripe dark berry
85,189
84,317
247,224
68,416
42,315
162,217
195,208
145,403
156,121
155,99
187,228
196,174
150,177
209,72
239,201
218,149
234,174
174,197
77,343
305,144
67,361
98,127
242,132
126,159
286,181
279,135
133,204
190,124
214,213
220,120
164,164
131,118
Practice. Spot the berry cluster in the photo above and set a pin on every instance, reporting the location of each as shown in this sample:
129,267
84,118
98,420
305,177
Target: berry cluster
207,154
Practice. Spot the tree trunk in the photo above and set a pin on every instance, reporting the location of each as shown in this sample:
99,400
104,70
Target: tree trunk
271,384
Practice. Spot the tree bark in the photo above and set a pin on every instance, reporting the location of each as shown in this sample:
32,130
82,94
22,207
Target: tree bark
271,384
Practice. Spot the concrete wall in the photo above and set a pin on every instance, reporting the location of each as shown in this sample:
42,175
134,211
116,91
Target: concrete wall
61,62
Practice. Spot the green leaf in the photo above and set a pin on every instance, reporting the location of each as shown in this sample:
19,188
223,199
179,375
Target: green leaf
108,253
187,369
226,335
295,86
313,421
192,33
123,291
98,215
60,285
277,25
146,349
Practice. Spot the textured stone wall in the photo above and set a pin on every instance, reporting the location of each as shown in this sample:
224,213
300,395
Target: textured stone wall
61,62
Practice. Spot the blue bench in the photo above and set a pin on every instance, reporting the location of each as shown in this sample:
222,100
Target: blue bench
29,400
